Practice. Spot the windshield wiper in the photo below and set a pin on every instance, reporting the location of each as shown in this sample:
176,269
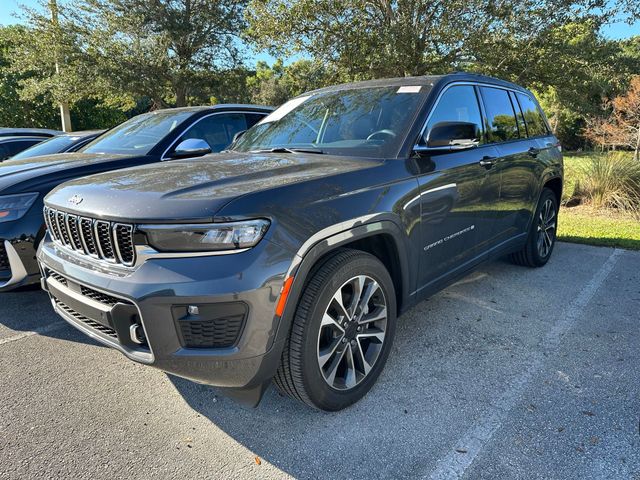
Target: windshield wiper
290,150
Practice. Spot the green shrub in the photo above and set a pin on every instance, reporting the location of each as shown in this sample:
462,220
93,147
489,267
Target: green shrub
609,181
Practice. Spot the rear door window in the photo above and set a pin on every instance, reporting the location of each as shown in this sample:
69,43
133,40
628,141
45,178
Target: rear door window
536,126
501,120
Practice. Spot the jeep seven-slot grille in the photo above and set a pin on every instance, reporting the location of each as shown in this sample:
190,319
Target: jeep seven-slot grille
108,241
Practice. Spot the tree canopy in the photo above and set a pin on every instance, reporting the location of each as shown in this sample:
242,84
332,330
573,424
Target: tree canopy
113,58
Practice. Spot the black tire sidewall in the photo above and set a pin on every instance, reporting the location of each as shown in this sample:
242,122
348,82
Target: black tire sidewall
319,392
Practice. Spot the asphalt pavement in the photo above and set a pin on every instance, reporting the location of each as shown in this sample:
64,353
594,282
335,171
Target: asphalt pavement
510,373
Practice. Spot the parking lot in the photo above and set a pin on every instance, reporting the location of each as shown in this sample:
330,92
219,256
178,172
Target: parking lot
511,373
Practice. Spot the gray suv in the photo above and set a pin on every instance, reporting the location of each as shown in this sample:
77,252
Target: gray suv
291,255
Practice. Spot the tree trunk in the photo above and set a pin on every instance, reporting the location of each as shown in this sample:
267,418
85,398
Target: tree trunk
636,153
181,96
65,117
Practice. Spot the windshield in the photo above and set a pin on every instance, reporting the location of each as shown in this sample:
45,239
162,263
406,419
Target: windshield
366,122
138,135
48,147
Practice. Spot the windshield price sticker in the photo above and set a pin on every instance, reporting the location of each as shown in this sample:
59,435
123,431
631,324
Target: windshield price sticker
410,89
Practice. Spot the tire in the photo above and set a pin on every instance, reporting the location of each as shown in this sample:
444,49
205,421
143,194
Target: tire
537,251
306,370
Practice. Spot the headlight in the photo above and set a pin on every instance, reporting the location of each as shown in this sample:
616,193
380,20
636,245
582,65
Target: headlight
206,237
13,207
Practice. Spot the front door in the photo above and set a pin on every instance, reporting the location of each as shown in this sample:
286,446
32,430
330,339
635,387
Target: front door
459,194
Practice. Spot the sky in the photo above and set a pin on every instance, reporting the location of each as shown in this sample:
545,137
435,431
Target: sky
9,7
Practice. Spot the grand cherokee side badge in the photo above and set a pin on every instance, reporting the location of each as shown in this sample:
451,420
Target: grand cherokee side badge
76,200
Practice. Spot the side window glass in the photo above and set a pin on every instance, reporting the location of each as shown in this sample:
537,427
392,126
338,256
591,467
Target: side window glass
501,119
536,125
4,153
516,106
16,147
216,130
253,118
457,104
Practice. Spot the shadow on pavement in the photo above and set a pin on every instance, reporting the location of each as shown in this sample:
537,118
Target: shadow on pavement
401,413
29,309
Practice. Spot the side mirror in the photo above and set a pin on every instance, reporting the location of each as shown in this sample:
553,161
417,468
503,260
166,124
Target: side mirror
448,136
191,147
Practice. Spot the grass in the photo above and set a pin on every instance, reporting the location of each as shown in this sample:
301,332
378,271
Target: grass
603,229
588,225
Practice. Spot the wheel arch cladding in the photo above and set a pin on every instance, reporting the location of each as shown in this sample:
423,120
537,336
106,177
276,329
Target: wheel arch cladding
555,185
383,239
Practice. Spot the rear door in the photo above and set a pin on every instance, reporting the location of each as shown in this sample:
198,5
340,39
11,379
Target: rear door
516,165
458,194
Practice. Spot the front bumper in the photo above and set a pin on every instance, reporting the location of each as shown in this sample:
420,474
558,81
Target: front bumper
241,289
18,243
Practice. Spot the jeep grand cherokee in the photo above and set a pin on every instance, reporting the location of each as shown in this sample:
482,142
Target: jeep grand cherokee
290,256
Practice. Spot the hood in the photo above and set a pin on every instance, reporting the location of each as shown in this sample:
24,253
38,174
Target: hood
194,189
14,171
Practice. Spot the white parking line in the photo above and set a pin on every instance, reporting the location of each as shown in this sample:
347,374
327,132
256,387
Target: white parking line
454,464
38,331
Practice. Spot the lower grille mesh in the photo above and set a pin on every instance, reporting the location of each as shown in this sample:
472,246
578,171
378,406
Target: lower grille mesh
99,296
87,321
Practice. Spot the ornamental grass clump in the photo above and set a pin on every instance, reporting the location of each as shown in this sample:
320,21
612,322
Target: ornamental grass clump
610,181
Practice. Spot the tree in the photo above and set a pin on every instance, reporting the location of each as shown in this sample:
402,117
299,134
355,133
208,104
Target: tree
276,84
622,127
384,38
26,99
14,110
51,63
168,50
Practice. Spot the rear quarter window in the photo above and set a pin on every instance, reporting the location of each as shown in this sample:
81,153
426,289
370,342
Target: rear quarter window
536,125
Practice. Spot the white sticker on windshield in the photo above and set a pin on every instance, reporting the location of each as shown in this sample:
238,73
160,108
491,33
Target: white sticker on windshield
410,89
285,108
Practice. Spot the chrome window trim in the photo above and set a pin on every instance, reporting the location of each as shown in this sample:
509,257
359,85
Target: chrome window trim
482,113
163,157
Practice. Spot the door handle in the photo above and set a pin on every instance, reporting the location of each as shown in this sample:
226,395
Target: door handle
533,152
487,161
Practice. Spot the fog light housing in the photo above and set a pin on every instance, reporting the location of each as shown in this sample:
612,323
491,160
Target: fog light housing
217,325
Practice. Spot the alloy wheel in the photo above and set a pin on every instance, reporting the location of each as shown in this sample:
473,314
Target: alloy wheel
352,332
546,228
